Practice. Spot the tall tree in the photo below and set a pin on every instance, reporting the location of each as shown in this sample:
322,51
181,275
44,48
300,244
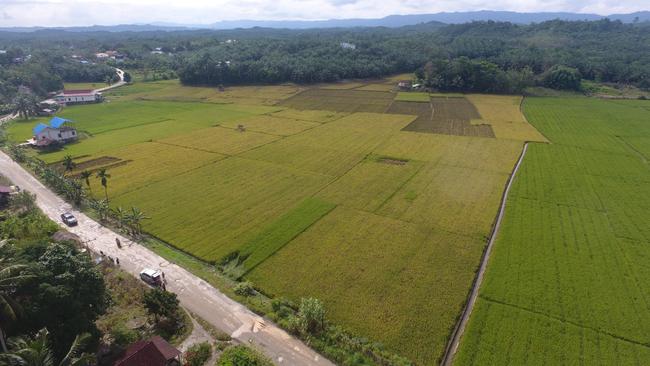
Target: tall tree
85,175
103,175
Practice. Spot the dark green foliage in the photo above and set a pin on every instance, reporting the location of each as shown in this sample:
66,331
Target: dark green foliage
161,303
242,356
244,289
562,78
67,295
198,354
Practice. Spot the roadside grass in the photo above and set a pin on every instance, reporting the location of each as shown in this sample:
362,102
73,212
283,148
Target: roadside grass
572,254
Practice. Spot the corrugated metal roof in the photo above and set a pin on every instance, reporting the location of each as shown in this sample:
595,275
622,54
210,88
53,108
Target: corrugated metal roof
39,127
57,122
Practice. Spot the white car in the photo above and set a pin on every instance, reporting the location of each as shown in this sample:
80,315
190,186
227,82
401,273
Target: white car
151,276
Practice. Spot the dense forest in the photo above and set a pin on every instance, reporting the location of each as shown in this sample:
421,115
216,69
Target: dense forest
479,56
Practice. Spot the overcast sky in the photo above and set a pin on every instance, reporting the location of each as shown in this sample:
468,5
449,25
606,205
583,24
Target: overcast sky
107,12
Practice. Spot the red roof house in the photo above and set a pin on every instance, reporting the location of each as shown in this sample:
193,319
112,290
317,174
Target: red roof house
153,352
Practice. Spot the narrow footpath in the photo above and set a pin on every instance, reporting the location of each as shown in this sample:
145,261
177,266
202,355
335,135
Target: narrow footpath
194,294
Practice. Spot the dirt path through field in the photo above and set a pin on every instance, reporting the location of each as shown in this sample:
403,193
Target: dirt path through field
457,334
195,294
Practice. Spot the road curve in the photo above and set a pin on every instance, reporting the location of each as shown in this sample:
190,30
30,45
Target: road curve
194,294
457,334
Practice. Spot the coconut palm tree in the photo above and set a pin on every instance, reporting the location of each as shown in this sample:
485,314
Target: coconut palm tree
68,163
37,351
11,275
135,218
103,175
85,176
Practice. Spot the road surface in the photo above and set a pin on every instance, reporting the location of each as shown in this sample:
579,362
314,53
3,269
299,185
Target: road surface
194,294
457,334
120,73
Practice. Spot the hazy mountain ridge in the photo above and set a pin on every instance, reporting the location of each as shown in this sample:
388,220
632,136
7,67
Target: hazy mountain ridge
391,21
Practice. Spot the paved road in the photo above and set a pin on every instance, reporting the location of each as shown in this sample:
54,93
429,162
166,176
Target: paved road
195,294
453,344
120,73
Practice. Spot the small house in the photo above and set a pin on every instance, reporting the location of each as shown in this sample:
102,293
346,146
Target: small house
57,132
78,97
153,352
405,85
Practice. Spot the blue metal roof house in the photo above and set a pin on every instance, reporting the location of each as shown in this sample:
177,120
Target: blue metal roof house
56,132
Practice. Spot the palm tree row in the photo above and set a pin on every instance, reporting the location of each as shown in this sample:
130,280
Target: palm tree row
72,188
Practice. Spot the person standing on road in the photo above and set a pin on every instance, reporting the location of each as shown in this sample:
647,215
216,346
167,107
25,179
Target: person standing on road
119,244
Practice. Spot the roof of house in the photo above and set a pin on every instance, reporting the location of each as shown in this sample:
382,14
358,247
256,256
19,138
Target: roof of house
39,128
153,352
5,190
57,122
77,92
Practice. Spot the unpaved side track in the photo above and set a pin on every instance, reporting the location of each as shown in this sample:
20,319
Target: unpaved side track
457,334
194,294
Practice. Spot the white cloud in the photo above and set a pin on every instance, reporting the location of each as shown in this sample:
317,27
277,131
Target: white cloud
89,12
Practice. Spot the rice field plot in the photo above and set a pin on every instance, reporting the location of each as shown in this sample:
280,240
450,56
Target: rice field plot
147,163
412,97
447,116
309,115
459,200
306,157
271,124
398,283
502,113
368,185
175,92
220,140
566,280
340,100
96,119
244,197
492,155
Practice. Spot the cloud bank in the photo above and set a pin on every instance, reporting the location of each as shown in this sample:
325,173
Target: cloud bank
107,12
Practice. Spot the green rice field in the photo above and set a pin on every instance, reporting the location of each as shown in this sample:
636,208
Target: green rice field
567,279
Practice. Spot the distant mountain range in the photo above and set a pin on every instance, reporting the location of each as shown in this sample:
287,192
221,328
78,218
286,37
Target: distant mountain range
391,21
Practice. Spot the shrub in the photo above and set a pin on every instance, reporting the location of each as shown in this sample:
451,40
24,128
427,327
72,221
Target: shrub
198,354
123,336
242,356
311,316
244,289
